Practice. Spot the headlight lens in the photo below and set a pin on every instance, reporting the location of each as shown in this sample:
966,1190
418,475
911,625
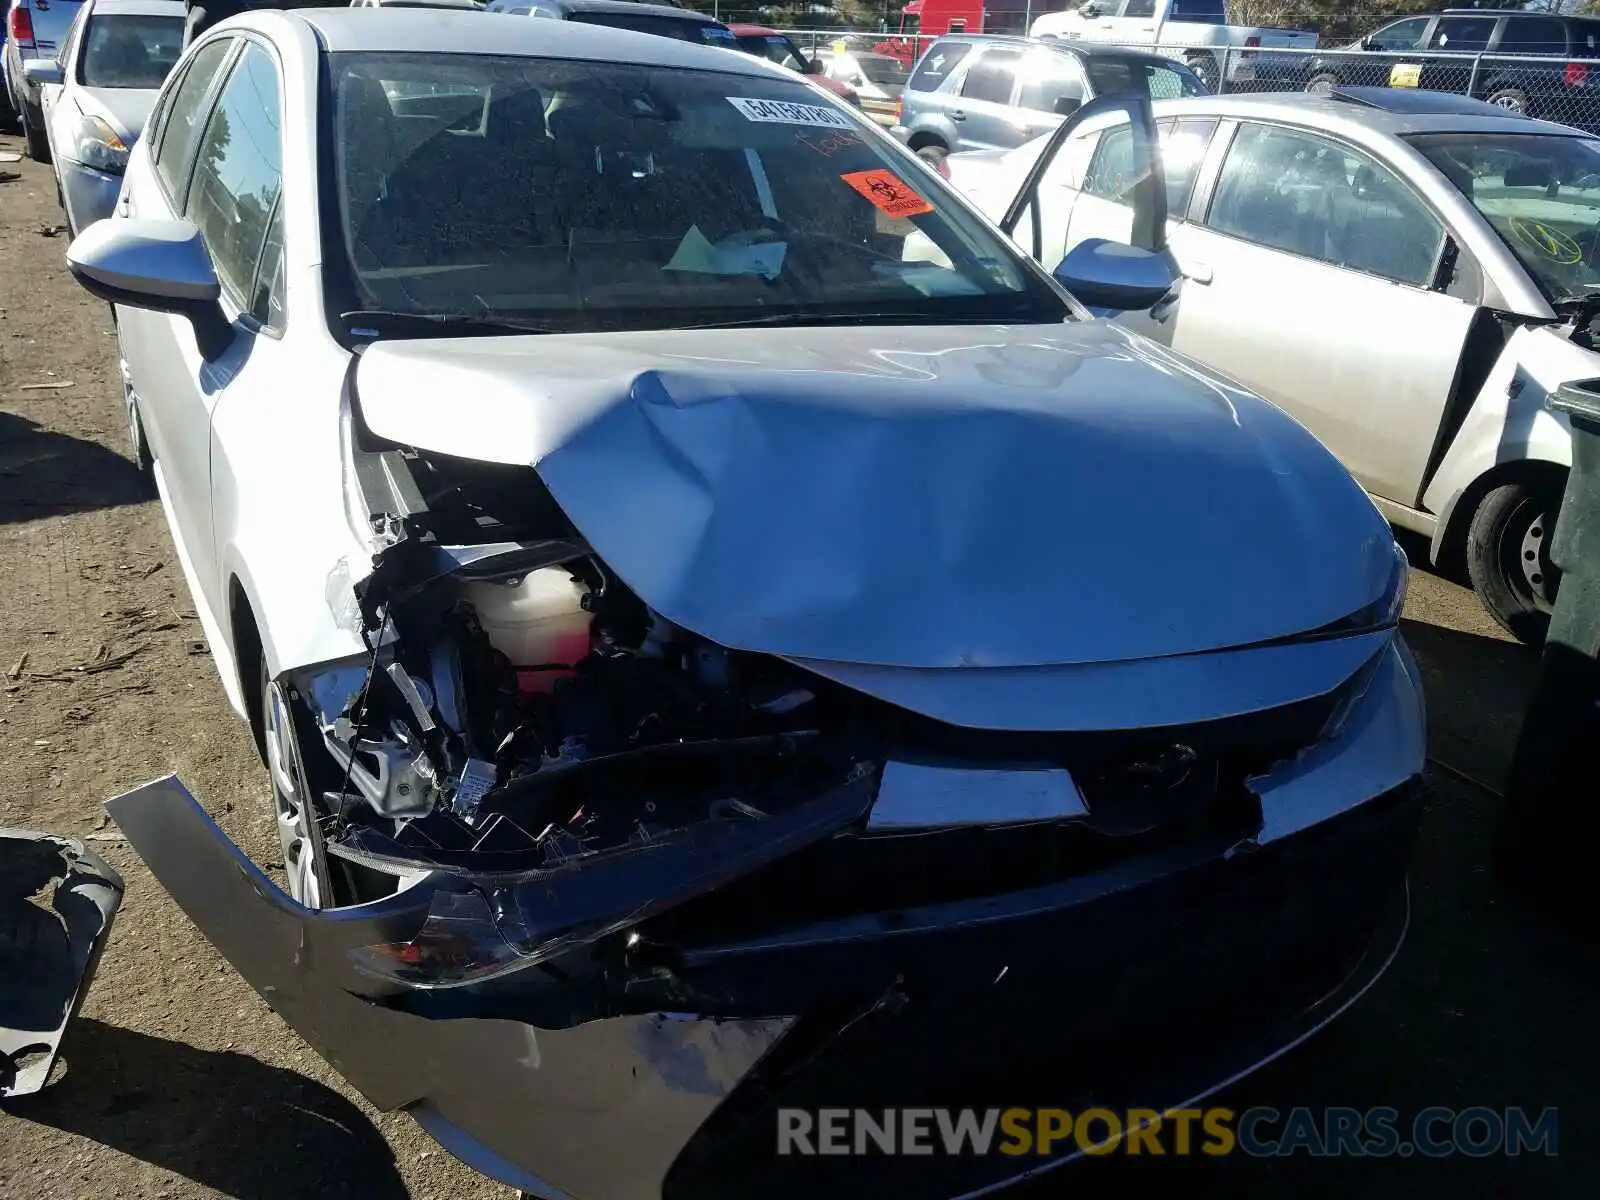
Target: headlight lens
101,147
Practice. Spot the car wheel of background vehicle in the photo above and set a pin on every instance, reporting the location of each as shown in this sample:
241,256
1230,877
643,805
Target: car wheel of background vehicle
1322,83
305,860
33,133
1508,557
1511,99
1205,67
933,154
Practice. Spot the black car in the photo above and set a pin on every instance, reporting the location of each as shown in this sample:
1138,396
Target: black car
1533,64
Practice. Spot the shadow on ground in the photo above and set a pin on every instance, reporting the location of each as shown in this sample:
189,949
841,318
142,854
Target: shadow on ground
224,1120
45,474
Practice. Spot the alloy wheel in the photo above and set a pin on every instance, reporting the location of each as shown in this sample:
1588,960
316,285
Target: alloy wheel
291,804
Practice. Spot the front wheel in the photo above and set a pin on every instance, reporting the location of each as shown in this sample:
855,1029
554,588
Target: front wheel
1508,557
34,135
305,858
1205,67
1322,83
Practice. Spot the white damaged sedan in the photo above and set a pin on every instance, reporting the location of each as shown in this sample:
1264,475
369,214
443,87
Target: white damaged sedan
726,630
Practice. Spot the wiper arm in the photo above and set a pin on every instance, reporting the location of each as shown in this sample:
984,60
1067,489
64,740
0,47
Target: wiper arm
886,315
375,322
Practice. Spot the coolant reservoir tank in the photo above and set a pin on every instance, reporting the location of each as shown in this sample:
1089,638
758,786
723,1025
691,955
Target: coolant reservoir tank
536,620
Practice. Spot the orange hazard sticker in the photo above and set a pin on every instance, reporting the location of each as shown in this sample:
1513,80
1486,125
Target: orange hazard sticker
888,193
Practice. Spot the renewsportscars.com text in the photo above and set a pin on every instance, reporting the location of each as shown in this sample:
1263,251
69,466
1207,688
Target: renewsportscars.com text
1436,1132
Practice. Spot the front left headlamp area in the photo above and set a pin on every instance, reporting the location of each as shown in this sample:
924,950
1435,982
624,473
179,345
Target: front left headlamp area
100,147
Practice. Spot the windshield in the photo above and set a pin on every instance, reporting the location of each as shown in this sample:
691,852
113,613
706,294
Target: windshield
1159,81
583,195
1540,192
128,51
774,46
685,31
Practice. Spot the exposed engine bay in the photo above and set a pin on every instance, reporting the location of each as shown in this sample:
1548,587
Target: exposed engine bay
573,764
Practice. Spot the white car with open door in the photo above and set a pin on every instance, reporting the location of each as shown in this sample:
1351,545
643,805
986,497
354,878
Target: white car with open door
1408,275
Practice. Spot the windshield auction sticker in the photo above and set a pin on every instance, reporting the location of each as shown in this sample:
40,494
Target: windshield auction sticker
888,192
781,112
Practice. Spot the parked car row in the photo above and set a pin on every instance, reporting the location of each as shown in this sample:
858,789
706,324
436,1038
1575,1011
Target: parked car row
725,627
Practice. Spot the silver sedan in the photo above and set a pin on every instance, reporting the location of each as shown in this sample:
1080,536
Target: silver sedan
1409,275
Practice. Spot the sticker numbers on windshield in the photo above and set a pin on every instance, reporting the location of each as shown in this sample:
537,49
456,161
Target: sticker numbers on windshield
889,193
782,112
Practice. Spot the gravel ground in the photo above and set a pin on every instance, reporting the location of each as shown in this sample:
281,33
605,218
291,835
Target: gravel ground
182,1083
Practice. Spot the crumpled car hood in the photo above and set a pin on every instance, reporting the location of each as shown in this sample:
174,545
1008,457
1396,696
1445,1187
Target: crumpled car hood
970,496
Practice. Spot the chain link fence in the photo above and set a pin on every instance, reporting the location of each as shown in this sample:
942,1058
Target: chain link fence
1563,90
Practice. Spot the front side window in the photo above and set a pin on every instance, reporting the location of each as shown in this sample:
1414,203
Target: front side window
937,64
773,46
126,50
1539,192
1306,195
185,114
617,196
1462,35
1401,35
239,171
991,77
1139,8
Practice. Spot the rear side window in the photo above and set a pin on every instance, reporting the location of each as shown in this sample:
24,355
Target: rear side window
937,64
186,114
1183,148
991,77
1534,35
1199,12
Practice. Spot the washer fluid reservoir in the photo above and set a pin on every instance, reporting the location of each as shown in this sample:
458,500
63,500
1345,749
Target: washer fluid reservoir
536,620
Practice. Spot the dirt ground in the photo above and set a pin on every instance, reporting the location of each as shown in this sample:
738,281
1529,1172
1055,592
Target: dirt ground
182,1083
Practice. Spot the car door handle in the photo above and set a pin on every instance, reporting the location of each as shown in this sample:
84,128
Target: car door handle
958,115
1199,272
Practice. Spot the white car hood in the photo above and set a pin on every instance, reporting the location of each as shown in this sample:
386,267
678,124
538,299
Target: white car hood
951,497
126,109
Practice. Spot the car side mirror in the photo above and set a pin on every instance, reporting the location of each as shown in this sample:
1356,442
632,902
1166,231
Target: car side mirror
813,66
1111,276
1065,106
157,265
41,71
1089,9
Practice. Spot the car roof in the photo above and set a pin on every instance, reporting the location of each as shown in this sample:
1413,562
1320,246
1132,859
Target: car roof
1065,45
1355,114
443,31
628,6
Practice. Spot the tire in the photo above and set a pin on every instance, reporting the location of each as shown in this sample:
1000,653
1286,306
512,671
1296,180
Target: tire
1508,557
33,133
1512,99
294,812
933,154
1205,67
1322,83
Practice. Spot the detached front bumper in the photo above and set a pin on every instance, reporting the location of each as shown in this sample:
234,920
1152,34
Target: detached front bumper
1148,983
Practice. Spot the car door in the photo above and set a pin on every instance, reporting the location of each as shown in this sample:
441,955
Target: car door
983,116
231,197
1312,277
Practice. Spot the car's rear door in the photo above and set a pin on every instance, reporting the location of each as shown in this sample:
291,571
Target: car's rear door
1312,276
981,110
